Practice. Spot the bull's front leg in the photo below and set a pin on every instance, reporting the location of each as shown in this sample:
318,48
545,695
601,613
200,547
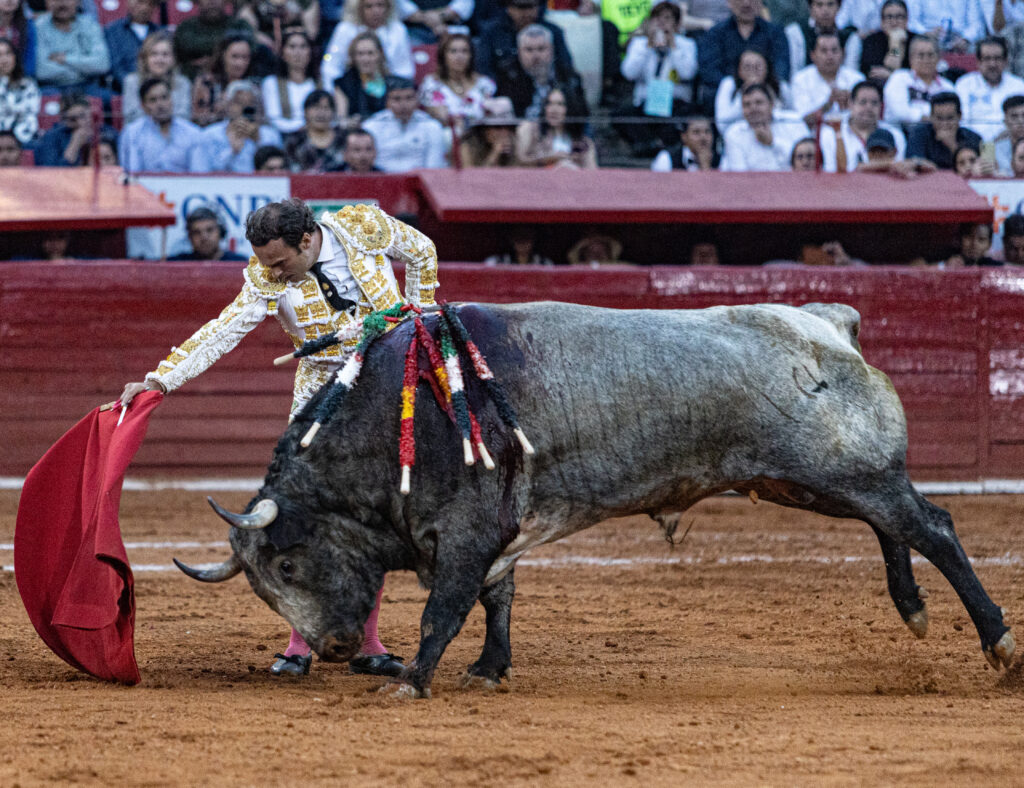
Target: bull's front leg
495,660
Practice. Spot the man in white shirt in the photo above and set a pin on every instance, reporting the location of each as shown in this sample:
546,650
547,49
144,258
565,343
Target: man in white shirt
823,88
407,138
822,19
842,152
908,90
953,23
983,92
759,143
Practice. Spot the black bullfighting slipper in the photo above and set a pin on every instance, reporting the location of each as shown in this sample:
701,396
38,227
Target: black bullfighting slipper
377,665
295,665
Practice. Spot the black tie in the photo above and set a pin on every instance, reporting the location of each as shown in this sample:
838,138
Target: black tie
330,292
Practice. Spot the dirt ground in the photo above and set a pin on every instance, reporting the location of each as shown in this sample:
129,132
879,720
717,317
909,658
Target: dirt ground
762,650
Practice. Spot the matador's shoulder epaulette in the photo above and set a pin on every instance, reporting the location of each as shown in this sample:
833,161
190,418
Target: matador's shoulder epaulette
259,277
363,226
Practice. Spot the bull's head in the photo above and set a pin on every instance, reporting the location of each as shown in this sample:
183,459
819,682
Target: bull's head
308,566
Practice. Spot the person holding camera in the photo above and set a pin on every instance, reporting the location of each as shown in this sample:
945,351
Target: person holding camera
230,145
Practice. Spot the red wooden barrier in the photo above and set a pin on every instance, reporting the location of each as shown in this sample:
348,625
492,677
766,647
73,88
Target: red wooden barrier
72,334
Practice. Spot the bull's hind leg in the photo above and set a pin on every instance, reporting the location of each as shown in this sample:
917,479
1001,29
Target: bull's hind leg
905,592
495,660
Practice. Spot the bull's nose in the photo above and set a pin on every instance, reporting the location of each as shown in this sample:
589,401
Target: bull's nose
339,649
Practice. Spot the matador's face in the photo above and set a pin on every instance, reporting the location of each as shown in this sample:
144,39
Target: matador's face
287,264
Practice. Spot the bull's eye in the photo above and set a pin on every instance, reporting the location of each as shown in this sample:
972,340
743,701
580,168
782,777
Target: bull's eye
286,568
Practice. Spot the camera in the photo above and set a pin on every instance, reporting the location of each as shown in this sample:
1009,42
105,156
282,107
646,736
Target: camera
249,113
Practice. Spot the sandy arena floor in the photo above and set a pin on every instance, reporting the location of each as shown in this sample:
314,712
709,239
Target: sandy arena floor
763,650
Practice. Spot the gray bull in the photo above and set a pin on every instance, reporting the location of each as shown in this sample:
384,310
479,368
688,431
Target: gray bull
630,412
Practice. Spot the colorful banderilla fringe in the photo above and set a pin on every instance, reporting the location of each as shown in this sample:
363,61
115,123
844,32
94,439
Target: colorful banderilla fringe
407,441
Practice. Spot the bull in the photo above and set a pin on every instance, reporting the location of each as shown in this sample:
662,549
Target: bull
630,412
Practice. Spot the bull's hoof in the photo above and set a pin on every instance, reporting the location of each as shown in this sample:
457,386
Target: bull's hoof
918,622
402,691
472,681
1001,653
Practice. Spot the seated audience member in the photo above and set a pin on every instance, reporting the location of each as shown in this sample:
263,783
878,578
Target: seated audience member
230,145
373,16
1013,131
491,140
406,137
19,96
55,245
595,250
284,95
704,253
18,29
125,36
317,146
429,21
270,159
802,34
70,49
159,141
965,159
156,59
842,152
535,72
695,151
804,157
105,150
886,50
881,149
760,143
1013,239
67,143
360,153
551,141
908,90
498,45
974,242
206,233
954,24
197,39
232,62
520,248
271,18
1017,162
457,92
938,139
983,92
822,90
753,68
661,54
10,149
719,49
359,92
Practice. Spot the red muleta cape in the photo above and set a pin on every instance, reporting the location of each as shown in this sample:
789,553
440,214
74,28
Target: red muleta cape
69,561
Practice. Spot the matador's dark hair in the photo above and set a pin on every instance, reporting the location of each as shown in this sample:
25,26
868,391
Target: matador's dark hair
288,220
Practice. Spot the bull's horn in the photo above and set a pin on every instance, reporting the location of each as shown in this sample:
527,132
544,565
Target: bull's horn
262,515
221,572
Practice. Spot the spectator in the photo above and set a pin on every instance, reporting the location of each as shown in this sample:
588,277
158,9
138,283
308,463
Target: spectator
158,142
317,146
298,75
887,49
720,48
535,73
965,161
206,233
360,153
359,92
498,47
232,62
66,144
695,151
105,150
428,21
760,143
230,145
491,140
271,19
406,137
860,14
156,59
753,68
983,92
908,90
659,60
10,149
881,147
54,245
804,157
801,36
704,253
70,49
457,92
125,36
953,24
270,159
19,96
974,242
1013,239
197,39
822,91
1017,162
551,141
377,17
16,28
520,248
843,152
1013,131
595,250
938,139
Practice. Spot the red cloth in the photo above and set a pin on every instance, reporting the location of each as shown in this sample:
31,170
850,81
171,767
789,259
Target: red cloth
70,563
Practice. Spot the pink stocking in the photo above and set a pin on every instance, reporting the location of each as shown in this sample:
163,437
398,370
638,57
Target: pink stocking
297,646
371,641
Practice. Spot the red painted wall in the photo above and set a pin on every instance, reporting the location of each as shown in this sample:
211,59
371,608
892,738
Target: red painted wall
72,334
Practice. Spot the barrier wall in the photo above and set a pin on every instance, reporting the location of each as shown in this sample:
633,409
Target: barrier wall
72,334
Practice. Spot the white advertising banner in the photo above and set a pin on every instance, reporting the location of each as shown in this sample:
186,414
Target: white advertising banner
1005,197
231,197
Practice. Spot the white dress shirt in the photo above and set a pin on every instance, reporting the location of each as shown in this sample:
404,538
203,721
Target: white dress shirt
798,48
297,92
906,96
811,90
743,152
854,144
982,104
643,63
729,103
401,147
393,37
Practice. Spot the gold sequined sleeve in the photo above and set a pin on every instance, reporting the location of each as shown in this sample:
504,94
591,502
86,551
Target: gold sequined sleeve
420,257
212,341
